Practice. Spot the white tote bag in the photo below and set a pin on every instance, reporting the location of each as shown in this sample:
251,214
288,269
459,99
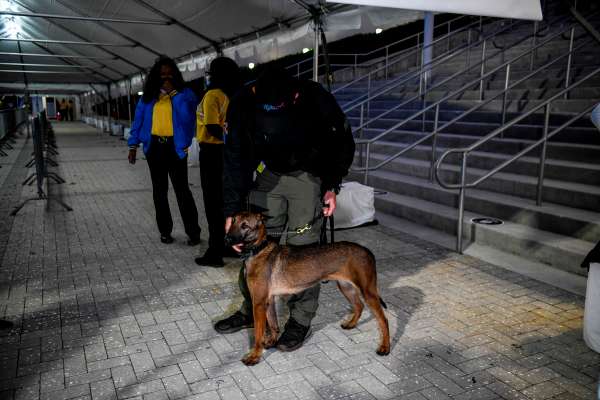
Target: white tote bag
355,205
193,154
591,315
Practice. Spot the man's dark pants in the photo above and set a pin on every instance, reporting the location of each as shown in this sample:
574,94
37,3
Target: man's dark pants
293,201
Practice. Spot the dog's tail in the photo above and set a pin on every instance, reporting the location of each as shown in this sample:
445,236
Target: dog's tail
383,303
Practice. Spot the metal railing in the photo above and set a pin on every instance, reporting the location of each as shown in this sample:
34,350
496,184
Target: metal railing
10,121
402,80
418,75
464,151
436,108
406,55
44,147
386,49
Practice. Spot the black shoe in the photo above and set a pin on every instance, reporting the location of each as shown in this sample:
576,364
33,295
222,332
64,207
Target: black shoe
211,258
4,324
193,241
208,260
293,336
166,239
234,323
230,253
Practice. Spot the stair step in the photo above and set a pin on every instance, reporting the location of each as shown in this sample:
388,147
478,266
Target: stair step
556,192
558,251
565,220
542,272
572,171
587,153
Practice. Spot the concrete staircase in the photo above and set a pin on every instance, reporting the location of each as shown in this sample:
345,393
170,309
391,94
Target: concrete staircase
561,231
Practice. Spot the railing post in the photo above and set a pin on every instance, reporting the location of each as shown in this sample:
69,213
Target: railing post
360,132
448,44
533,52
368,95
355,64
569,59
469,48
506,80
298,70
386,61
482,70
461,204
366,178
540,185
417,48
434,142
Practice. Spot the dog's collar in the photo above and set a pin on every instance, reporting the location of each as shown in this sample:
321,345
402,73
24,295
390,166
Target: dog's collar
250,251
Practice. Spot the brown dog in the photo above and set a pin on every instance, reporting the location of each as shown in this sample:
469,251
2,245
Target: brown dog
274,270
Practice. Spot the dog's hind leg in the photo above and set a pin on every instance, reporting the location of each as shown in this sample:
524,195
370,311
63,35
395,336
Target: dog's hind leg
271,337
351,293
372,299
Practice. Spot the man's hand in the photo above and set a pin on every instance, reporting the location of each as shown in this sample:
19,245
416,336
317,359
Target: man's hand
131,156
228,222
329,201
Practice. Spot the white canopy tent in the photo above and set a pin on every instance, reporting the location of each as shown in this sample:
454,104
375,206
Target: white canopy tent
64,45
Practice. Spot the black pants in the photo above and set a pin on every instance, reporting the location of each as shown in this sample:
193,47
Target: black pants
164,163
211,179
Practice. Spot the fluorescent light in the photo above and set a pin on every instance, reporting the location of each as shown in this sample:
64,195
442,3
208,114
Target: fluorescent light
305,50
251,65
378,31
140,93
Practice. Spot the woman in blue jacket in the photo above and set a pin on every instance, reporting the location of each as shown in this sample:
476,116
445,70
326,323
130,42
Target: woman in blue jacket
165,123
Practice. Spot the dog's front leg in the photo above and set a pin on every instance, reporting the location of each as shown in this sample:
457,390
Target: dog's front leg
259,310
271,338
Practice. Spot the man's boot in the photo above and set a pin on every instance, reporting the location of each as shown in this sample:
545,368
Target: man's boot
293,336
234,323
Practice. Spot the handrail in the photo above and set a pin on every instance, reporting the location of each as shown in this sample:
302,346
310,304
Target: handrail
436,62
436,105
409,53
417,74
418,34
387,46
462,186
435,86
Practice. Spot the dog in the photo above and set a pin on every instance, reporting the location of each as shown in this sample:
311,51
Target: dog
273,270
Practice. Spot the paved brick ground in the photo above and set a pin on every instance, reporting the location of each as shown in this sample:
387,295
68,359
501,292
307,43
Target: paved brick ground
104,311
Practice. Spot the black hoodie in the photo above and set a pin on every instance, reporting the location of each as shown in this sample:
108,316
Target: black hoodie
290,125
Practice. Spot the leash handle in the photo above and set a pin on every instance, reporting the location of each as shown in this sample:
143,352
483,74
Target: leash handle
323,236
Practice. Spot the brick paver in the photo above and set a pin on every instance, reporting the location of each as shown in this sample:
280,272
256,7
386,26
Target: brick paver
103,310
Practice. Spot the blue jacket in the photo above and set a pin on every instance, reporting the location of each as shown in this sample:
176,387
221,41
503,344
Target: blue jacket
184,122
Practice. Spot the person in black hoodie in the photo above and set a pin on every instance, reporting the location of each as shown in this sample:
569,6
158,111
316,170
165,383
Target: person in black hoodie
293,135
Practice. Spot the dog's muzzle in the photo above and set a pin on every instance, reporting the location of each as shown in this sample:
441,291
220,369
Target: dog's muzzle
232,241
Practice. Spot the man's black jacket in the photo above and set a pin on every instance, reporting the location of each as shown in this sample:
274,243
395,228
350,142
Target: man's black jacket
314,137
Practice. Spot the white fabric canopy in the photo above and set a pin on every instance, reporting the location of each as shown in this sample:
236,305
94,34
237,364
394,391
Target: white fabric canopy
518,9
246,30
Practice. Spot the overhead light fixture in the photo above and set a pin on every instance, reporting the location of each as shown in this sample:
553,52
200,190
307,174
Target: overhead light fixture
140,93
251,65
378,31
305,50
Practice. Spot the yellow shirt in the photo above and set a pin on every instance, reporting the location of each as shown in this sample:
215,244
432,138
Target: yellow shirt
162,116
211,110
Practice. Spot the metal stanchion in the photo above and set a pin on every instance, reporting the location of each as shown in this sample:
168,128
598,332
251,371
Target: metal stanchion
43,142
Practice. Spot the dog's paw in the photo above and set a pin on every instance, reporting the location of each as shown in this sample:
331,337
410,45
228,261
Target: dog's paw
383,351
348,324
270,342
251,359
